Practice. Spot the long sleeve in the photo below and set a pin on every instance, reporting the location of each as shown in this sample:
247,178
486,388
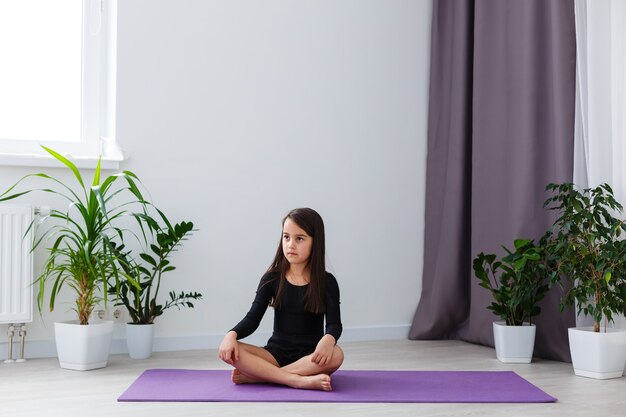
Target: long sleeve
263,297
333,312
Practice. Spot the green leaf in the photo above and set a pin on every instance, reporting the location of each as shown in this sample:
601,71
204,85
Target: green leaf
155,249
67,163
96,175
520,243
133,282
519,264
148,259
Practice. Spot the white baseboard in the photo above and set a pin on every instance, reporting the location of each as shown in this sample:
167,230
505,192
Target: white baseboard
47,348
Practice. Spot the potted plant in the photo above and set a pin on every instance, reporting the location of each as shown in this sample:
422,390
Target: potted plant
517,282
79,256
141,281
586,250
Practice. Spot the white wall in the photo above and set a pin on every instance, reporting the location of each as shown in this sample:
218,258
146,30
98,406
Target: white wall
235,112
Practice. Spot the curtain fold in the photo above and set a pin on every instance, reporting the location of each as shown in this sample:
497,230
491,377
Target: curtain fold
448,173
494,143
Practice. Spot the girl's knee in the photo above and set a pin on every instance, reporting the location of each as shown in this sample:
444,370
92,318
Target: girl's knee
338,357
339,353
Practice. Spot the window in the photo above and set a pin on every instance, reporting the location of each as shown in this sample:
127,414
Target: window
600,135
57,80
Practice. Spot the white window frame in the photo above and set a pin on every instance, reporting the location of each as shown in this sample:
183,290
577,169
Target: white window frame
98,100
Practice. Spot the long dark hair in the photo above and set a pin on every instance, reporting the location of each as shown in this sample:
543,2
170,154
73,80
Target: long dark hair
311,222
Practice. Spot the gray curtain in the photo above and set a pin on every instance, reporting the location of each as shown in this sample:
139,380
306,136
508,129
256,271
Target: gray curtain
500,127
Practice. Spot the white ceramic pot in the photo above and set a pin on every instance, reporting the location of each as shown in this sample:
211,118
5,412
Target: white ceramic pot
139,339
514,344
598,355
83,347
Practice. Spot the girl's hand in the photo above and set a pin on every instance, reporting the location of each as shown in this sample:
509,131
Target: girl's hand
324,350
229,349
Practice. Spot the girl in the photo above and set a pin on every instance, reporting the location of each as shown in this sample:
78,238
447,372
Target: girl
300,353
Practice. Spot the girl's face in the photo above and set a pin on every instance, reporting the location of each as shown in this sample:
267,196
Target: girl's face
297,244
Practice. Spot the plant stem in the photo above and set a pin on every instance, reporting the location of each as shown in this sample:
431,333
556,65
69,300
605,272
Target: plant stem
83,301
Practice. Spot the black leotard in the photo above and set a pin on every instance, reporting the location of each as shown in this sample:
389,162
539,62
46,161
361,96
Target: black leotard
296,331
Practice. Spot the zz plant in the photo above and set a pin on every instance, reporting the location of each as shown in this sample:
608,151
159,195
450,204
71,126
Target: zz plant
517,281
585,249
141,279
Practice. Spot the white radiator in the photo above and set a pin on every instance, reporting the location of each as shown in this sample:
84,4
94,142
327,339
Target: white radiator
16,264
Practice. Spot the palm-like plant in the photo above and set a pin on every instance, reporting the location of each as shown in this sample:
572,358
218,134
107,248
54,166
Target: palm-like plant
79,239
141,281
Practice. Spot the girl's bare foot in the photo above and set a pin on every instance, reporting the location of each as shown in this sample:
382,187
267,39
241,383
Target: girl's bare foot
319,382
239,378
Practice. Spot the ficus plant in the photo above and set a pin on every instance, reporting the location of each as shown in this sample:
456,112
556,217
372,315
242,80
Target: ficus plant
516,281
586,250
141,277
78,238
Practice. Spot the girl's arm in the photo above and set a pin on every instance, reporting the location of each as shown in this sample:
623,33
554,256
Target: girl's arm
326,346
229,349
251,321
324,350
333,311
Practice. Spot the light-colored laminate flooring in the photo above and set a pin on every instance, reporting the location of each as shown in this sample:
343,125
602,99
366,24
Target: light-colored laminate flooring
39,387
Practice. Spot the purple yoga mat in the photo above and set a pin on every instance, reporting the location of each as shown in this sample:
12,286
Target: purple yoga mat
166,385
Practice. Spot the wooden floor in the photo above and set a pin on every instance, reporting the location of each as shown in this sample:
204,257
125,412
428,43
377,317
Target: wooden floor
40,388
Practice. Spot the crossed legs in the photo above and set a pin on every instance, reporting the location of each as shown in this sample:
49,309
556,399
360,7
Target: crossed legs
256,364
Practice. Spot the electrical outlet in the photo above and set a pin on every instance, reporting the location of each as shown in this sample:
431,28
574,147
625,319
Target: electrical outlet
98,314
118,315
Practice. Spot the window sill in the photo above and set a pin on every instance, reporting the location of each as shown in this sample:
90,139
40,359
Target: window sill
109,161
86,162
